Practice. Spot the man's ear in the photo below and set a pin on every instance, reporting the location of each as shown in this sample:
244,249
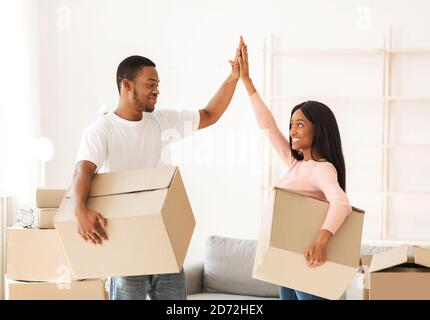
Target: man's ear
125,83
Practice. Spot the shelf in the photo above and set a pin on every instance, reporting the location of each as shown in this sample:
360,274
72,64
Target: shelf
386,193
393,242
326,51
385,146
410,51
351,98
391,193
317,51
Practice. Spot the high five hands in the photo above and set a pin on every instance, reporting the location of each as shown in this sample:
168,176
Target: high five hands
240,66
243,66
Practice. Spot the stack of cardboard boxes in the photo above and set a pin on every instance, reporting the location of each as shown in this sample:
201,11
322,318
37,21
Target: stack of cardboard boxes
150,225
401,273
37,267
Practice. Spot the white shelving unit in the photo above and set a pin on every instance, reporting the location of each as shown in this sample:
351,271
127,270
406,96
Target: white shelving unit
385,99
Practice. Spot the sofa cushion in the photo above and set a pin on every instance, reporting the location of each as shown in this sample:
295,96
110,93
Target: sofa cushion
225,296
228,268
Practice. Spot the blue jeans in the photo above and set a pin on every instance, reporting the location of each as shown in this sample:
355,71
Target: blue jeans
291,294
157,287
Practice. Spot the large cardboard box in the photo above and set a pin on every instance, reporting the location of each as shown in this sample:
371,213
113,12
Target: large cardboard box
395,276
49,198
35,255
46,217
288,229
76,290
150,224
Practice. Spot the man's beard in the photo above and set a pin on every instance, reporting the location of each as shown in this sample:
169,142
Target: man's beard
140,105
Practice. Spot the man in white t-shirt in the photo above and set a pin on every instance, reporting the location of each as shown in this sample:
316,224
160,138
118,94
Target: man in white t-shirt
133,137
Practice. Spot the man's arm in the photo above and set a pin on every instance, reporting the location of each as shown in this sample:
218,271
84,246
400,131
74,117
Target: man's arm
218,104
91,224
220,101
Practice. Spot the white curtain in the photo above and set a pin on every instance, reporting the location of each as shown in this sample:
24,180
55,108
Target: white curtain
19,124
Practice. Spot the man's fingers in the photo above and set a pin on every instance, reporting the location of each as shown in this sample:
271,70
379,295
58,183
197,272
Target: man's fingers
102,220
240,61
97,234
238,53
101,232
82,235
233,64
91,237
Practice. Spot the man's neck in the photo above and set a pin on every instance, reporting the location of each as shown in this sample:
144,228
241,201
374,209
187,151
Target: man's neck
123,111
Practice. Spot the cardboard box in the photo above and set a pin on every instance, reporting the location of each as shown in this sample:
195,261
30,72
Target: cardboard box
288,229
76,290
46,218
150,224
35,255
395,276
49,198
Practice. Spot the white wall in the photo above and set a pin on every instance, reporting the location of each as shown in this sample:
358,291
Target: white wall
82,42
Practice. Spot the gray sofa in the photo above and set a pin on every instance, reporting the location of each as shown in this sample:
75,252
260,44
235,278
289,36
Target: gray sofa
226,273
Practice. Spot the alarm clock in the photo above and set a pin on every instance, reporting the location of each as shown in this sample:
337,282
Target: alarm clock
25,218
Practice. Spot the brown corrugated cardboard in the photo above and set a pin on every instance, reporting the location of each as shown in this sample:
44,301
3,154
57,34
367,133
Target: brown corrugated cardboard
49,198
46,217
35,255
288,229
75,290
150,224
395,276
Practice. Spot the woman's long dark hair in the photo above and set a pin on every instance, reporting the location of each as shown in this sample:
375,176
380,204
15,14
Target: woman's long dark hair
326,139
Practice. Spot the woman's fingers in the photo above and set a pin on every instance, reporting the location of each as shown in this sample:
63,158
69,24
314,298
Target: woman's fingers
244,52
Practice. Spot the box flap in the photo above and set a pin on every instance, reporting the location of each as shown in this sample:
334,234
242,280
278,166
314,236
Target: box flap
421,256
365,260
118,205
389,258
49,198
121,182
179,227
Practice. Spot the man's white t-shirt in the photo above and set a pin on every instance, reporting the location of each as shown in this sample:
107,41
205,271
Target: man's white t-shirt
114,144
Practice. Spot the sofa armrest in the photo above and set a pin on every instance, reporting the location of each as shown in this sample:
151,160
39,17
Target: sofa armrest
194,277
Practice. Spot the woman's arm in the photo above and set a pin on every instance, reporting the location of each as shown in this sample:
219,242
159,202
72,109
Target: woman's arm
264,117
325,178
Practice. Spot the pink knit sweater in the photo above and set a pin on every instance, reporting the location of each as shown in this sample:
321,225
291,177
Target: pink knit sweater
314,178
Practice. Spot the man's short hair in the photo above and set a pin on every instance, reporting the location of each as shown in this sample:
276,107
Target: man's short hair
129,67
